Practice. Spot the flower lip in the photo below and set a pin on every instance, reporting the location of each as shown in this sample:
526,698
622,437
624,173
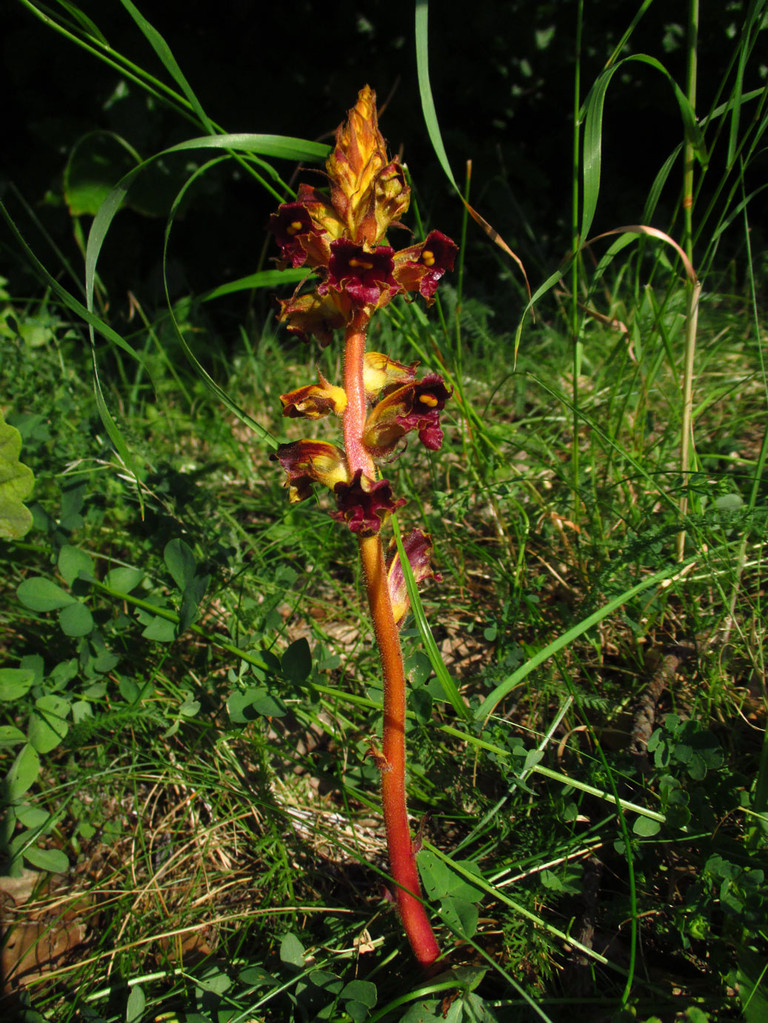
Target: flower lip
366,276
420,267
364,503
293,230
414,406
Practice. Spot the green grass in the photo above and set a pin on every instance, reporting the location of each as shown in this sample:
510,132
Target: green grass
198,818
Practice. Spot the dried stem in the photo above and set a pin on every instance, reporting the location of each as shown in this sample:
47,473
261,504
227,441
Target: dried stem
399,845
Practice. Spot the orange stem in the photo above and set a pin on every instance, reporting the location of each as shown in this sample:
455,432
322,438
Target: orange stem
393,796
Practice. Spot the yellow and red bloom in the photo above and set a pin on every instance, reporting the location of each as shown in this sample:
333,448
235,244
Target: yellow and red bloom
415,406
381,374
311,315
313,401
311,461
368,191
304,229
420,267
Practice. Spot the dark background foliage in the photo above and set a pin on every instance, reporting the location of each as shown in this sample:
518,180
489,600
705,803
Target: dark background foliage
502,75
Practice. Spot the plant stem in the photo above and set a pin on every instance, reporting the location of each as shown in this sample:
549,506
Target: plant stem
392,761
693,289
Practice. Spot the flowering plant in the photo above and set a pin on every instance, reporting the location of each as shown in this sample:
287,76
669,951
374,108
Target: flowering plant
341,235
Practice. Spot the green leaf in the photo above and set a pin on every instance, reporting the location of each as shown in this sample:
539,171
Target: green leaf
190,602
40,594
76,620
292,951
160,630
16,483
645,827
134,1009
72,561
54,861
180,562
296,662
32,816
24,770
96,163
360,991
254,702
123,579
460,915
48,723
15,682
11,736
440,880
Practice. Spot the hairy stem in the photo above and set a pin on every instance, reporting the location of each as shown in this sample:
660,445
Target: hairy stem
401,857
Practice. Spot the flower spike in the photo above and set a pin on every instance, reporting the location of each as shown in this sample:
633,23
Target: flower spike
342,237
363,181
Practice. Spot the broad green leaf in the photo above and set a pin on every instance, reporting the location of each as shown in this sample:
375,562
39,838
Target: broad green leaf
48,723
54,861
23,773
123,579
460,915
40,594
15,682
292,951
193,594
215,980
134,1009
440,880
180,562
76,620
296,662
10,736
96,163
253,703
32,816
16,483
72,561
160,630
360,991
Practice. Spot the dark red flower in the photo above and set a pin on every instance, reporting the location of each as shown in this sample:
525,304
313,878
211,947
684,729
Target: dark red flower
420,267
415,406
364,503
364,277
304,229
